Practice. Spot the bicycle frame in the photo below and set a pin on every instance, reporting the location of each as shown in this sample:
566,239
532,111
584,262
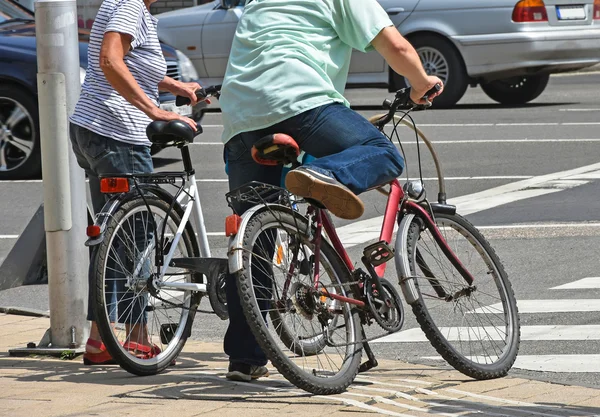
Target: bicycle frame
189,199
394,211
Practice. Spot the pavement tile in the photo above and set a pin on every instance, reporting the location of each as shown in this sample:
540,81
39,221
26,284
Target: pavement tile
490,385
593,402
197,387
525,390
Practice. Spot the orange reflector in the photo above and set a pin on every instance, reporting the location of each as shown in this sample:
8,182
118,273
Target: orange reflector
279,255
596,9
93,231
114,185
232,225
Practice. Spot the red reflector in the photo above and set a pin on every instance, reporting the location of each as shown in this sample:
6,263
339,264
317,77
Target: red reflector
232,225
530,11
93,231
596,10
114,185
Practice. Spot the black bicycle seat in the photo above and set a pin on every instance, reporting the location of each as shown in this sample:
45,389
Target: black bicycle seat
173,132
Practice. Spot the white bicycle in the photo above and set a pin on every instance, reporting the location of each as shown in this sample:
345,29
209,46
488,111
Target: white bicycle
150,263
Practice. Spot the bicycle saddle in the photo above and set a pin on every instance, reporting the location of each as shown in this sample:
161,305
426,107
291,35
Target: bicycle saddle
276,149
174,132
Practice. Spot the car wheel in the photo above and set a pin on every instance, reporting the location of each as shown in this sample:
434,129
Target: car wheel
516,90
439,58
20,155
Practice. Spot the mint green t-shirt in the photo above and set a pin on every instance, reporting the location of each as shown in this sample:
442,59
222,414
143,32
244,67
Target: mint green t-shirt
290,56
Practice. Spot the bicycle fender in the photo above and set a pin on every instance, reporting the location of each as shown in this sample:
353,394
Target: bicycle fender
407,283
113,204
234,250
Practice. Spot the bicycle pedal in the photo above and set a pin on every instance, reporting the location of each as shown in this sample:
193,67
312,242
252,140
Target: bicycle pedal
378,253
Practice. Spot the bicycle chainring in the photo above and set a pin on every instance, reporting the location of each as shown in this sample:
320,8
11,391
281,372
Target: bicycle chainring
386,308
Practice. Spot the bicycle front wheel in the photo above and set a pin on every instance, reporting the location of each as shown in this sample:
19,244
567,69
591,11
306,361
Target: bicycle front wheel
475,328
143,324
313,340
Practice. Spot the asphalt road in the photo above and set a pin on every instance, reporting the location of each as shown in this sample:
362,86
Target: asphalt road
545,228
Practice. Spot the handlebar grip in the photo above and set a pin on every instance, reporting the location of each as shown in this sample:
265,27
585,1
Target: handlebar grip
434,90
182,101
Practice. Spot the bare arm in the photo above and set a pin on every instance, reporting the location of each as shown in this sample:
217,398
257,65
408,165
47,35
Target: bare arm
112,52
402,58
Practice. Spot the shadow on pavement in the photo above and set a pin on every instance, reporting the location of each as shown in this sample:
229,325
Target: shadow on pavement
200,377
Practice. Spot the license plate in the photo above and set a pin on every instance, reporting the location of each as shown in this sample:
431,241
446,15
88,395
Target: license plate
181,110
570,12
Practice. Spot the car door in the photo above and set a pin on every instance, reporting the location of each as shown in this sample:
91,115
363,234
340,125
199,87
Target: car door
217,36
370,67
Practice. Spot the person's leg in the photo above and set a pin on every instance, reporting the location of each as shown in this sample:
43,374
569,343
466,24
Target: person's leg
104,156
350,150
81,148
239,343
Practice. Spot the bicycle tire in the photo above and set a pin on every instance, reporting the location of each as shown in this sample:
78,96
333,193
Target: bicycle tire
292,227
434,311
167,336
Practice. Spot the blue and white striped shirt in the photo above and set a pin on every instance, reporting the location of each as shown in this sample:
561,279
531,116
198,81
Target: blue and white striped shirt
101,108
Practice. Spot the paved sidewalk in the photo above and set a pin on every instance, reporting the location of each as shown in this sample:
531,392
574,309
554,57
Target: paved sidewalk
41,386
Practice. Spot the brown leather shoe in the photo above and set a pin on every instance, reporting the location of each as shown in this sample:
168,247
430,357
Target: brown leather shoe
337,198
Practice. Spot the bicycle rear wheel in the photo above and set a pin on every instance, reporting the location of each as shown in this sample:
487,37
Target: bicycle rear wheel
312,340
474,328
143,326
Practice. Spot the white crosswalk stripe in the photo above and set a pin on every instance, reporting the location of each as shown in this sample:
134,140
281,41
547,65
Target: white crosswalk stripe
553,360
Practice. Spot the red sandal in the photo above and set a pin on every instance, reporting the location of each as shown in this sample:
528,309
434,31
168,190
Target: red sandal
98,358
143,351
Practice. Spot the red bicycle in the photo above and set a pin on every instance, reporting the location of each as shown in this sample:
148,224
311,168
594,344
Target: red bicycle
310,308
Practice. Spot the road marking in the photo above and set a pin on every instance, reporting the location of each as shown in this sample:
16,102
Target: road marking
465,141
9,236
576,110
550,306
582,284
528,333
480,177
559,363
533,124
541,226
366,230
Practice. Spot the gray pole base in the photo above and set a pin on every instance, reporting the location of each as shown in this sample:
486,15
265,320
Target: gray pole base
44,348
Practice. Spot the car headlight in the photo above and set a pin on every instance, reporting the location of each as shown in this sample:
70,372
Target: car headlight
81,75
188,72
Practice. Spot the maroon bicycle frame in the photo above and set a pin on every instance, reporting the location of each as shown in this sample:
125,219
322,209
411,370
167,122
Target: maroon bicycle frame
390,218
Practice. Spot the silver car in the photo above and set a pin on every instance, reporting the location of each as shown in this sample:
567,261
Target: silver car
508,47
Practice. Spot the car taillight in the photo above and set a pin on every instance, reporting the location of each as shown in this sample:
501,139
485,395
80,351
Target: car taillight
596,9
530,11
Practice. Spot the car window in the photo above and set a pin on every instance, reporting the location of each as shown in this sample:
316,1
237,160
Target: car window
10,10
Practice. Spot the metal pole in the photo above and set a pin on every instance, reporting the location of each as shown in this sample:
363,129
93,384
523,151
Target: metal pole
64,182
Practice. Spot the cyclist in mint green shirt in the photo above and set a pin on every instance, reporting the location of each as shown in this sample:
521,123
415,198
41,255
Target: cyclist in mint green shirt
287,71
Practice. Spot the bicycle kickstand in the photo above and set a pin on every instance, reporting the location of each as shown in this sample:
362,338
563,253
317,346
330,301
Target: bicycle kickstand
371,361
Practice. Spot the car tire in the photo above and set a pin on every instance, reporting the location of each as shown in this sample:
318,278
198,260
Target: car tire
516,90
440,58
19,118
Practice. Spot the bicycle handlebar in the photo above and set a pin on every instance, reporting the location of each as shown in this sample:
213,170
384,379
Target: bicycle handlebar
201,94
403,101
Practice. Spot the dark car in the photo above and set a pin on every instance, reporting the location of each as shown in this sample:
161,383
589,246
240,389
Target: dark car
19,128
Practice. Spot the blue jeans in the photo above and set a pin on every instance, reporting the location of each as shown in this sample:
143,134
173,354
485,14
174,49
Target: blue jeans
347,147
100,155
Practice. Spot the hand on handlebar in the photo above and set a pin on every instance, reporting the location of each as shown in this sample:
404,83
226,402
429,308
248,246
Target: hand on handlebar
418,95
167,116
188,90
